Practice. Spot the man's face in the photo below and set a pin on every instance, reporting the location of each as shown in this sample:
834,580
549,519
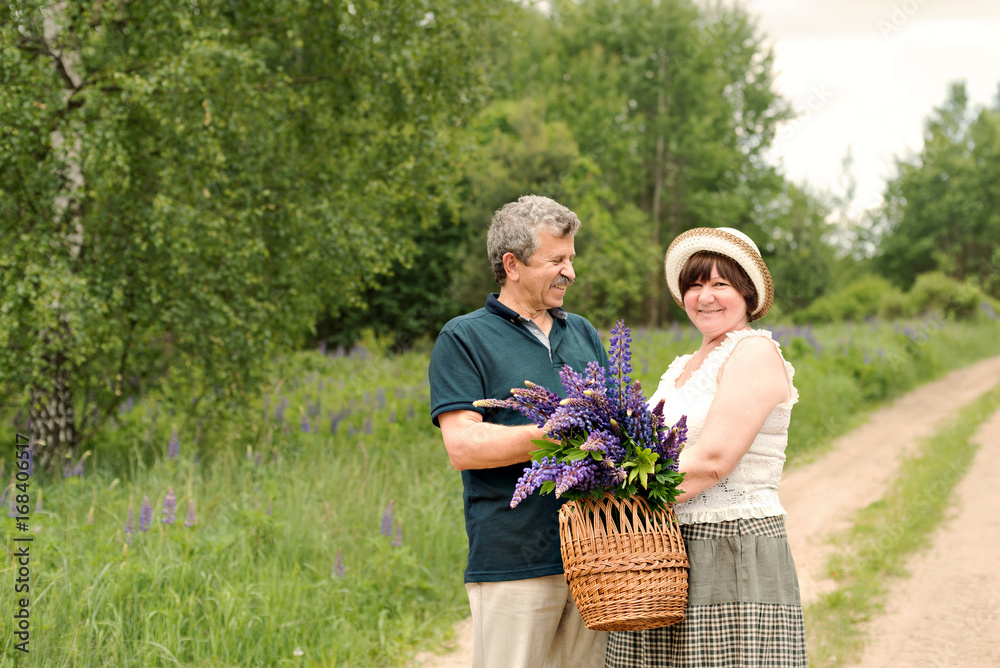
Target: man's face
543,281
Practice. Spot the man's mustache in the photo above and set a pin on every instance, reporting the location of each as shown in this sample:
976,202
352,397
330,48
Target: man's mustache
562,282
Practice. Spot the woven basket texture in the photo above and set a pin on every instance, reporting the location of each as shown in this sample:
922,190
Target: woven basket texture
626,565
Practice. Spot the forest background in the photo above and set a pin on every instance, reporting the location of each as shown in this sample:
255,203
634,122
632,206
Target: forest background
192,192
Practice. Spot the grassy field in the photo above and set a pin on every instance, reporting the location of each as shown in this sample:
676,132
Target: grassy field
327,528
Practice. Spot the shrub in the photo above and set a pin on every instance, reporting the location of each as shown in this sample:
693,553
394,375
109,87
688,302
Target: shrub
937,293
863,298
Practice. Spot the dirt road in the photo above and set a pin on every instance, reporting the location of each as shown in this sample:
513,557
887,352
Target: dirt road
820,504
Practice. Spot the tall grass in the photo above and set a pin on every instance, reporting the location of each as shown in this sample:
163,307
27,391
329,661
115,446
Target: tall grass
293,559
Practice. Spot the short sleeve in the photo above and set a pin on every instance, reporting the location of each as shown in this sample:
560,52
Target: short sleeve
455,379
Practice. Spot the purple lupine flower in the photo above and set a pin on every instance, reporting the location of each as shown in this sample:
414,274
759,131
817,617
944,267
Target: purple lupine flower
540,472
387,520
338,565
392,416
78,469
129,525
68,468
279,410
145,514
673,441
174,446
368,424
191,518
397,536
306,427
169,506
578,475
409,413
322,347
380,397
13,510
334,423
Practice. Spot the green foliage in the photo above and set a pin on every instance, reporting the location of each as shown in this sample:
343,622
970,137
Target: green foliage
865,297
186,187
941,210
938,293
643,117
933,294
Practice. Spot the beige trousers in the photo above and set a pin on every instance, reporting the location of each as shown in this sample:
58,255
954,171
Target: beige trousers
531,624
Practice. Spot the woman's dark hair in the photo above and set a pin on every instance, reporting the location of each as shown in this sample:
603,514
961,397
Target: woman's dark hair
698,269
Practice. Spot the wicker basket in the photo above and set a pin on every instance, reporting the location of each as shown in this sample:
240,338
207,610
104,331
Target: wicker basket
626,565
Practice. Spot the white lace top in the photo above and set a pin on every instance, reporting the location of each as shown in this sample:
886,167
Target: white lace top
751,490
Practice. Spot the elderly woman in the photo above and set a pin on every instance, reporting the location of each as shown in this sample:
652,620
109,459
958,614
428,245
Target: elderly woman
736,390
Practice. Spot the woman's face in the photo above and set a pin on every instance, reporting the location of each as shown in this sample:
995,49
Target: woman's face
715,306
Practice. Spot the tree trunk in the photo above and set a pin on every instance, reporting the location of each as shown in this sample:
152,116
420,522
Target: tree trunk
51,409
52,421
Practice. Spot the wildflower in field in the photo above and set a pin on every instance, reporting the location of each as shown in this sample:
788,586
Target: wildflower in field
392,416
174,445
368,424
397,536
380,397
145,514
129,525
279,410
13,510
68,467
298,652
334,423
387,520
169,505
306,427
338,565
191,518
78,469
322,347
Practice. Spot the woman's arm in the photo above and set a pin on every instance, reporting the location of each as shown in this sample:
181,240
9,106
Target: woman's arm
751,383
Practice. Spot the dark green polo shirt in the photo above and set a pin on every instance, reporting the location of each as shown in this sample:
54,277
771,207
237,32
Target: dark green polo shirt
482,355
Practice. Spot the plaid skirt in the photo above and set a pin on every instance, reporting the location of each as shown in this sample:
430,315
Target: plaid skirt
744,608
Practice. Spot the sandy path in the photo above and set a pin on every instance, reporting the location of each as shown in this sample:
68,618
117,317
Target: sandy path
947,613
822,497
819,502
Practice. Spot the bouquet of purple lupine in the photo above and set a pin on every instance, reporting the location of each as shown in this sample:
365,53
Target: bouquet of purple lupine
605,438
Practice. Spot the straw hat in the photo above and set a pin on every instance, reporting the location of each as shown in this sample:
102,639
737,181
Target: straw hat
725,241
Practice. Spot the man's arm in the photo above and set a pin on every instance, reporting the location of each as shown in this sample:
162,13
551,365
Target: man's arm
474,444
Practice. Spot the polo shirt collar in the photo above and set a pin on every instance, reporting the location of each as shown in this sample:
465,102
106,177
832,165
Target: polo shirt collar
494,306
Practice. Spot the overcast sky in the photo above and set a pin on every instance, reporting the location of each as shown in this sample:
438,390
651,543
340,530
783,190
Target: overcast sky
864,74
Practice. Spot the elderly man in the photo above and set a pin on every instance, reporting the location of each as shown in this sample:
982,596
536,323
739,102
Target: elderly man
522,610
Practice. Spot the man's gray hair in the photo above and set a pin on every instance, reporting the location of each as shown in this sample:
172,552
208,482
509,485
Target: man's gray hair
515,227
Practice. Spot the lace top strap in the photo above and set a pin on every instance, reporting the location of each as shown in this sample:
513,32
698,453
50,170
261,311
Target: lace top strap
706,377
